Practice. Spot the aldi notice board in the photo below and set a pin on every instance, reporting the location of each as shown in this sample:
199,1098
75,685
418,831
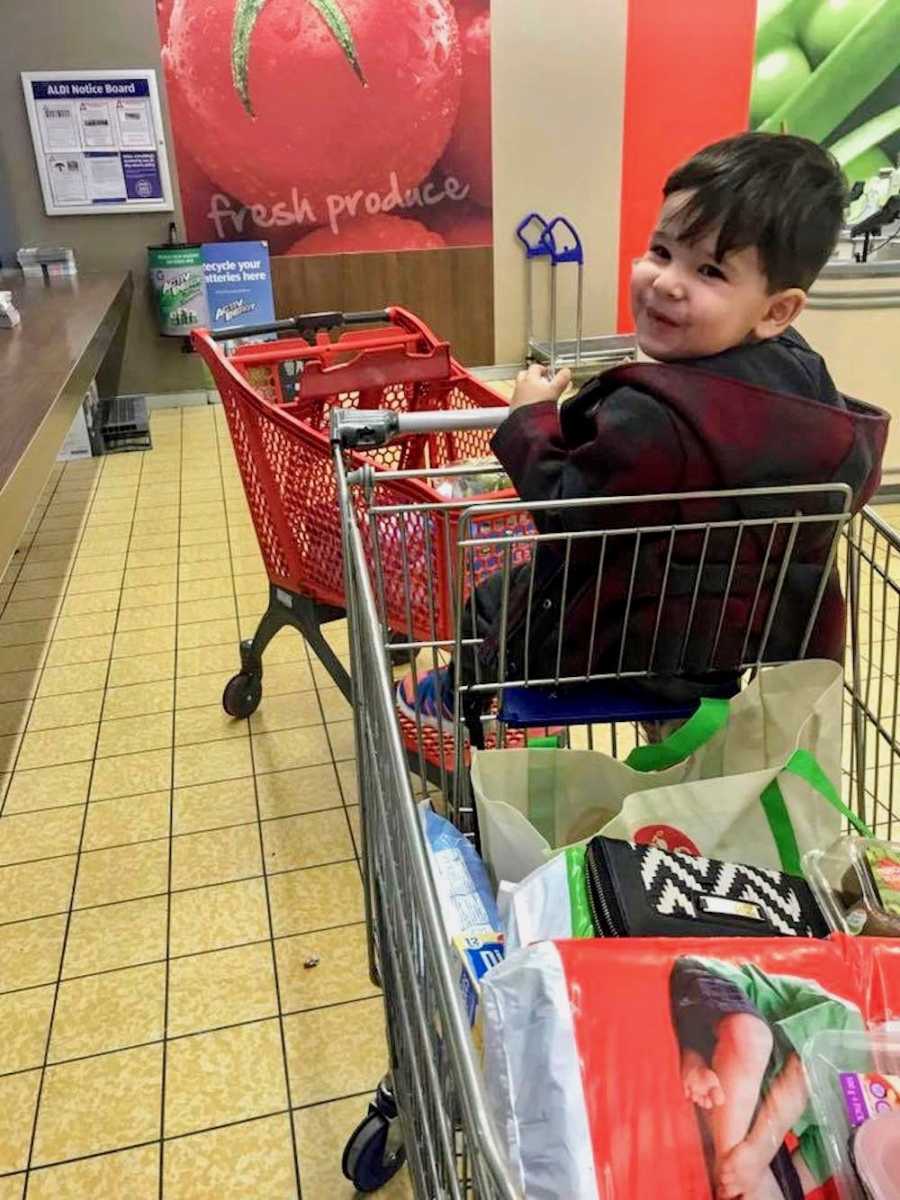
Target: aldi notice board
98,141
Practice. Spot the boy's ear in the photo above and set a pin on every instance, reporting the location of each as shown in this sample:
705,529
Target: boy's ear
783,308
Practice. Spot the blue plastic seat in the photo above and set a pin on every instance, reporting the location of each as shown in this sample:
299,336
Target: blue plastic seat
596,702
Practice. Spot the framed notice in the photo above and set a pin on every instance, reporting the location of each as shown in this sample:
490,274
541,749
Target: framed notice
98,141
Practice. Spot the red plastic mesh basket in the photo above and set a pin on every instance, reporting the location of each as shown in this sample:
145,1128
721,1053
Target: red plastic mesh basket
281,441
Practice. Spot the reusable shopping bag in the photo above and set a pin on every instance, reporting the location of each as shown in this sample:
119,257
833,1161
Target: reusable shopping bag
601,1057
719,786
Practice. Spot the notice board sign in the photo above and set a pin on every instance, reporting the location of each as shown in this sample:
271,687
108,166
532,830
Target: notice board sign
98,141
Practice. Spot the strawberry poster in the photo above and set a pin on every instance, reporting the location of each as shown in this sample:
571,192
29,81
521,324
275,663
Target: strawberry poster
331,126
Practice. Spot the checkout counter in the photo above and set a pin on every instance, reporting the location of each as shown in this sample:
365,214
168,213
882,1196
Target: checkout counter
71,326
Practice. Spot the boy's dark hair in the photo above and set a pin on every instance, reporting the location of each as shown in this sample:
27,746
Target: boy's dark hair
784,195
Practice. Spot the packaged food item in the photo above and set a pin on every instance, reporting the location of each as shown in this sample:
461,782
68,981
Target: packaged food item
857,885
477,954
487,476
460,879
854,1079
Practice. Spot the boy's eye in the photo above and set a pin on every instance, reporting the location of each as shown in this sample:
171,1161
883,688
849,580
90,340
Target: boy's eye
710,271
659,251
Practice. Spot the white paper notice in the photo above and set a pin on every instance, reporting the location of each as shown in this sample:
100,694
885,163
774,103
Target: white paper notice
58,123
106,179
96,121
135,123
67,182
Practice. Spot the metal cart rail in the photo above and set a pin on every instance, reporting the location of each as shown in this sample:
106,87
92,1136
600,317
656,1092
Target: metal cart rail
434,1111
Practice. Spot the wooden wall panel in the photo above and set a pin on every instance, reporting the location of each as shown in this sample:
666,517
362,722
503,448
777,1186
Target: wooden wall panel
450,289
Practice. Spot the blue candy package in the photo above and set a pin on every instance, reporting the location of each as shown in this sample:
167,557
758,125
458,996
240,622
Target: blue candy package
464,890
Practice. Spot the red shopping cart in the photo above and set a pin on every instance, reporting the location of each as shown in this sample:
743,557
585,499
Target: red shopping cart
278,398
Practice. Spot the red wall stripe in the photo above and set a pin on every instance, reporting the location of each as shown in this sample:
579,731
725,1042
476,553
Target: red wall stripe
687,82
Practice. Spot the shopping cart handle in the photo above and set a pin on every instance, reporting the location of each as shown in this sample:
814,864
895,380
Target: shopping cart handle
536,248
364,429
303,323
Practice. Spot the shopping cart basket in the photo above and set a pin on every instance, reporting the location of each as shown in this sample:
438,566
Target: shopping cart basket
434,1111
278,397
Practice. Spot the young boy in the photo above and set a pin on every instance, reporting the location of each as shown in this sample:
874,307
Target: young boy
734,398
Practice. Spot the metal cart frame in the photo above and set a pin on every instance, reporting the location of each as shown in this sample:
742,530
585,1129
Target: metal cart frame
436,1114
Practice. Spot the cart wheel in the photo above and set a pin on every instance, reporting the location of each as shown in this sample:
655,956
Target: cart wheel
242,695
374,1153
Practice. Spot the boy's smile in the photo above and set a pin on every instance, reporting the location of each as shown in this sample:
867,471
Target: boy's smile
687,304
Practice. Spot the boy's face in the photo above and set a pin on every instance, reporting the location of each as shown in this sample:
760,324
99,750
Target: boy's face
688,305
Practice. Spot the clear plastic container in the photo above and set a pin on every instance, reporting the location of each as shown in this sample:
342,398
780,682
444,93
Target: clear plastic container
857,886
854,1081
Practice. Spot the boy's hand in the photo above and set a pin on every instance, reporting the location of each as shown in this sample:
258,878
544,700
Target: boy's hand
533,386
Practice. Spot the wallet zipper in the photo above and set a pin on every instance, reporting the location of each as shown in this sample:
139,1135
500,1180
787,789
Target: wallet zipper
601,907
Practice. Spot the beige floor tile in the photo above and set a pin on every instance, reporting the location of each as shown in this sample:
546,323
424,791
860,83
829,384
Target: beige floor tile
131,735
208,633
135,699
131,774
105,581
229,1075
316,898
128,819
216,856
116,935
228,759
204,659
48,787
322,1133
76,650
301,790
123,873
37,589
224,987
12,1187
131,1174
157,640
53,747
341,737
18,685
90,626
124,1090
196,691
208,723
310,840
147,597
109,1012
9,750
161,556
290,748
334,1052
36,889
195,572
57,712
24,1025
211,918
206,589
254,1159
341,973
85,677
18,1101
90,602
141,668
153,617
150,576
289,711
208,551
192,612
30,952
214,805
29,836
28,610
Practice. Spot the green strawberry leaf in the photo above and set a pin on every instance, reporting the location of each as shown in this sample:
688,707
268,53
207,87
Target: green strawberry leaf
246,13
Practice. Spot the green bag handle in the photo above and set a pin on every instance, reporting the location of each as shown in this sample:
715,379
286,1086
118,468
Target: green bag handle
804,766
710,717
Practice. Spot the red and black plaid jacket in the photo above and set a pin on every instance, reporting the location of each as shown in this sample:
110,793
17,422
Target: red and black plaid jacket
661,428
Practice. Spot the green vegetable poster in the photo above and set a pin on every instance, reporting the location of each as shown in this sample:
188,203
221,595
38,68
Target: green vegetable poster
327,126
830,70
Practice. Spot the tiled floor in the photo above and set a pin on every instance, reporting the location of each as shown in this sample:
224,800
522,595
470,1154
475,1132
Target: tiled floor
167,874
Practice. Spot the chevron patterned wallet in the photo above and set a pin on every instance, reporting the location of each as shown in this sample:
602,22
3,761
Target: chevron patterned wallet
641,891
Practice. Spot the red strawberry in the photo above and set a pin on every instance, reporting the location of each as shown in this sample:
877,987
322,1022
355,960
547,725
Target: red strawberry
468,153
462,224
379,233
322,96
